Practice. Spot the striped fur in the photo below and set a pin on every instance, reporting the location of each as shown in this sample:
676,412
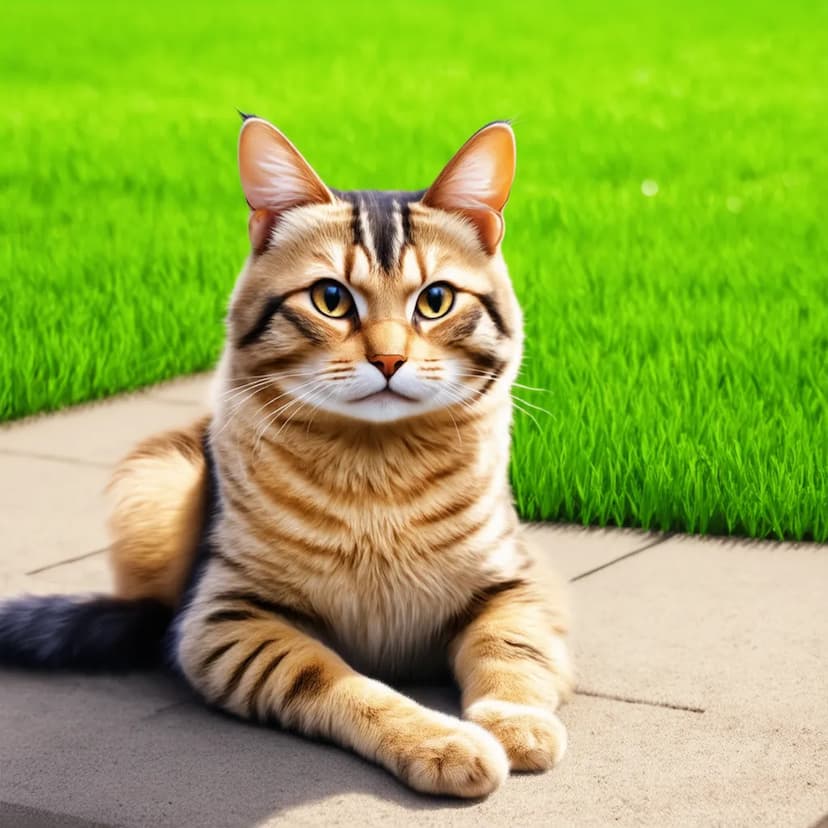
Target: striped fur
357,540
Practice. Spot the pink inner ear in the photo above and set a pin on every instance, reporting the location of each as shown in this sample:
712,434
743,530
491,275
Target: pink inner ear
259,227
274,175
477,180
490,227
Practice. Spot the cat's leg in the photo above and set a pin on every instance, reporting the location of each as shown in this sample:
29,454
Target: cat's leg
253,660
512,664
158,494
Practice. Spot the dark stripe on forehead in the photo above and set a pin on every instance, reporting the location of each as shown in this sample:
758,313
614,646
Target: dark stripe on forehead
352,198
356,225
405,212
383,219
384,211
348,264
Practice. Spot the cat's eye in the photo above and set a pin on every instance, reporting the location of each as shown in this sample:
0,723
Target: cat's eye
331,299
435,301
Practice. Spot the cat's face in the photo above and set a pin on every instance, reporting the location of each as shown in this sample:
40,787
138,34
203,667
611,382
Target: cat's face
375,306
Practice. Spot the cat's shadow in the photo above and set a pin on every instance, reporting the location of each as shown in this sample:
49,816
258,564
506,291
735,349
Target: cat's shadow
141,750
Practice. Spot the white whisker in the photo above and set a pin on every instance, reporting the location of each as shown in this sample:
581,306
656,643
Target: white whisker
269,420
529,415
238,406
531,388
532,405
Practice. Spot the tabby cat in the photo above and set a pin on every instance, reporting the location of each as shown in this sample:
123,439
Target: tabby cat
344,515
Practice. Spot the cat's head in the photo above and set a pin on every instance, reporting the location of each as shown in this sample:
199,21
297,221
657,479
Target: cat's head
375,306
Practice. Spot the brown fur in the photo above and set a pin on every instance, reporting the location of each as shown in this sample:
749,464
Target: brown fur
346,543
157,495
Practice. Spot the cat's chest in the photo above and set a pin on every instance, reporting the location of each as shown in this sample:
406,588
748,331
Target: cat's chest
387,617
386,579
393,602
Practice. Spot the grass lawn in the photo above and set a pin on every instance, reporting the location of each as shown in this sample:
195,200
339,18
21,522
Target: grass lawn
667,232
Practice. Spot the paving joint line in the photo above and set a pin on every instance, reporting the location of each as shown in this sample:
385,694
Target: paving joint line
57,458
623,557
685,708
67,561
31,816
165,708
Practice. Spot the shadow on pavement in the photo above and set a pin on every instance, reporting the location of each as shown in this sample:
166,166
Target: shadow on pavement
142,750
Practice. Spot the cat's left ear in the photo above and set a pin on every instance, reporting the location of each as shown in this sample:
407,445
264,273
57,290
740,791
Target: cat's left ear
476,182
275,178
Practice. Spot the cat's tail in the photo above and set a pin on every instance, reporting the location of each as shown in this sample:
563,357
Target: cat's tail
89,633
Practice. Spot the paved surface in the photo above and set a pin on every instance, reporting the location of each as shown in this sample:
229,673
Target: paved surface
703,681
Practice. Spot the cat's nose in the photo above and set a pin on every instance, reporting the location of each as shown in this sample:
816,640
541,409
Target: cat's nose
388,364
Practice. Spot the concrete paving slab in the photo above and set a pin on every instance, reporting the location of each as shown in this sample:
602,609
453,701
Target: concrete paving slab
49,512
726,626
13,584
140,751
100,433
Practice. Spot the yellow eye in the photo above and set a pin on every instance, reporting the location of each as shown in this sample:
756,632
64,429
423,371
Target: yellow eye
435,301
331,299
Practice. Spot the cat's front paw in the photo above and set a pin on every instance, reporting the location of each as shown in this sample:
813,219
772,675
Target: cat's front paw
534,738
463,760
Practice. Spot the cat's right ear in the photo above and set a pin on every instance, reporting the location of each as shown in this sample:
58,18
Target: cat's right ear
275,177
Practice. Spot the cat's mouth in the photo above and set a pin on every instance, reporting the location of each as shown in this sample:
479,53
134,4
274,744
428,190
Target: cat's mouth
384,395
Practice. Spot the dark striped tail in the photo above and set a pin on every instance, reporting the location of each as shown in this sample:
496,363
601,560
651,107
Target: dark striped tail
89,633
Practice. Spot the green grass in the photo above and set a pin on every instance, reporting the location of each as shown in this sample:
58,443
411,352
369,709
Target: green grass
682,337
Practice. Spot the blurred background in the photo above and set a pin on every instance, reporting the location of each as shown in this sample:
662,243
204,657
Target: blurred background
666,234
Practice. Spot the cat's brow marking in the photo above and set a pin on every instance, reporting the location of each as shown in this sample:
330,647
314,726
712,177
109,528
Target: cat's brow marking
490,306
304,326
272,306
381,223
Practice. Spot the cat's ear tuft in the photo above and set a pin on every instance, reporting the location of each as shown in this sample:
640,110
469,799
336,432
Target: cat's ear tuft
476,182
274,176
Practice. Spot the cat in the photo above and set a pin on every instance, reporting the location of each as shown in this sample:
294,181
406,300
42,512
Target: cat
343,517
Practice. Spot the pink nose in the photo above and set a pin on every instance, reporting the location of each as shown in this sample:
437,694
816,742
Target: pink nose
388,364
